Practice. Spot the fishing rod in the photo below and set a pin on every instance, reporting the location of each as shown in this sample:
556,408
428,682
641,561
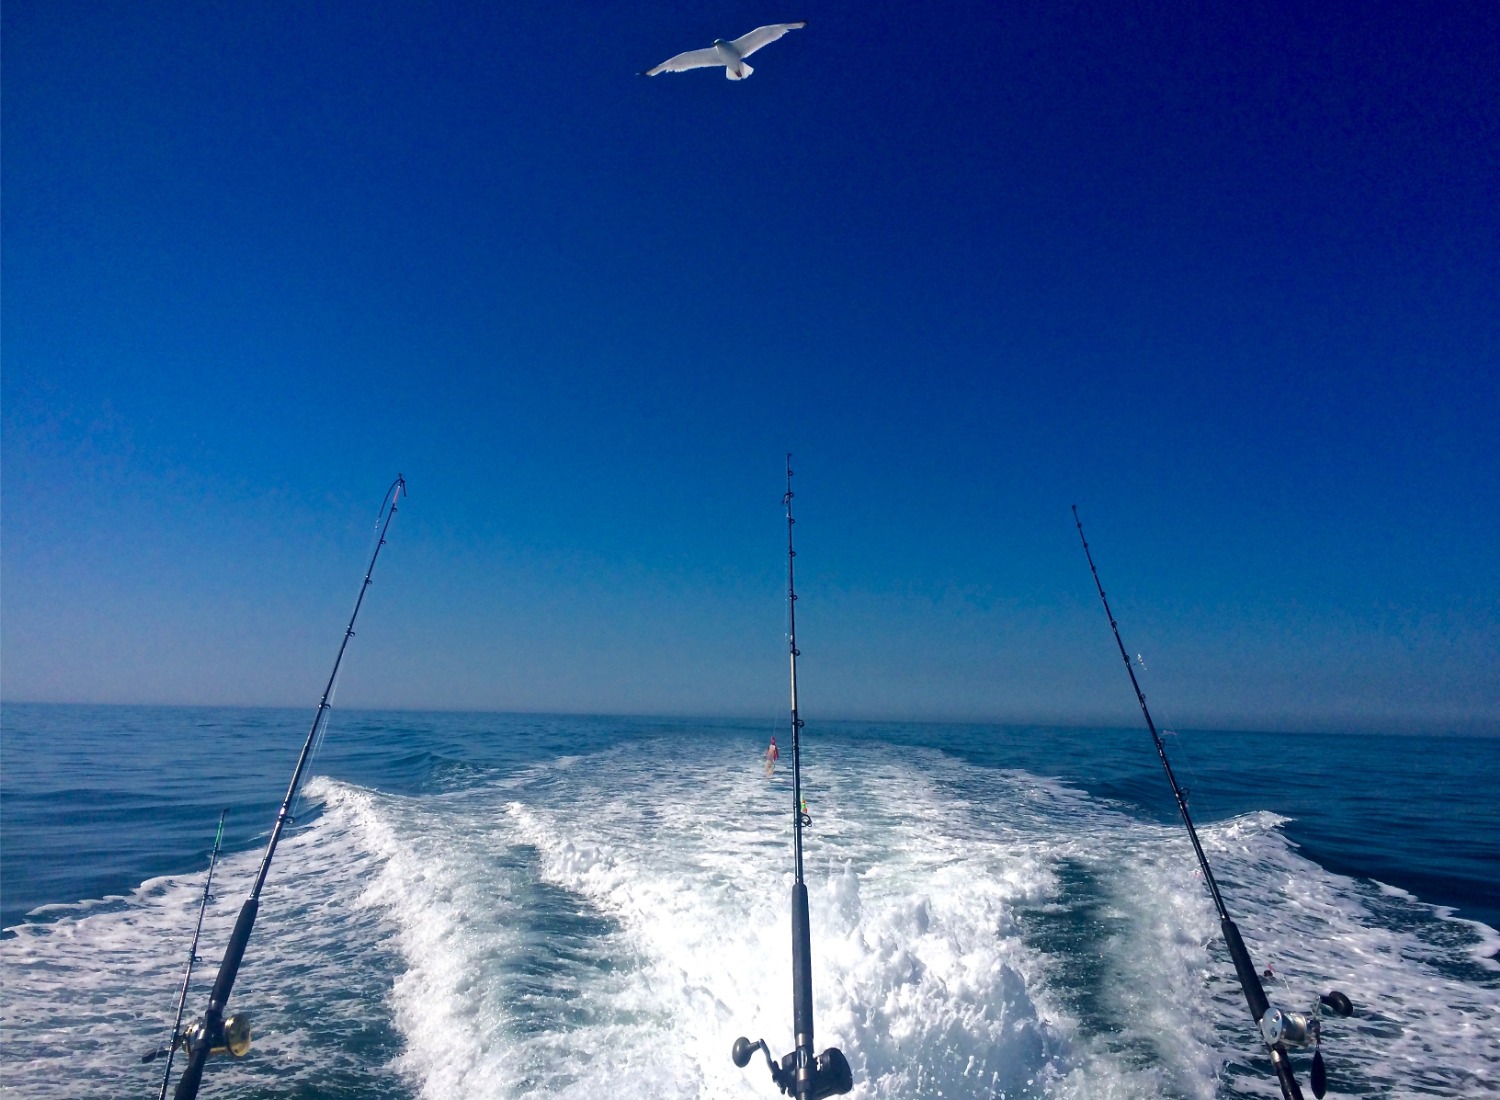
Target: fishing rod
213,1032
173,1039
1279,1028
799,1074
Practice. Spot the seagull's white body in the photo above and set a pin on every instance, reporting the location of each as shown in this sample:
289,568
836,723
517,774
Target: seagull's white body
729,54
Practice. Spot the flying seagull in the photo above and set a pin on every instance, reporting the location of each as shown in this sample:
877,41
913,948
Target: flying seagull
729,54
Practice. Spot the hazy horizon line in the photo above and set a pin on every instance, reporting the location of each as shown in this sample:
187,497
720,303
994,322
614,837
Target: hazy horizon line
1312,725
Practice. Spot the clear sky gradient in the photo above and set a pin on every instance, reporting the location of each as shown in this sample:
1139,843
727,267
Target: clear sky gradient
1226,276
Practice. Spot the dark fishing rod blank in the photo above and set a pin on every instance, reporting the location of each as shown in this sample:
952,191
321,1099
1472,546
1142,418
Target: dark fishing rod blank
213,1032
1278,1028
800,1073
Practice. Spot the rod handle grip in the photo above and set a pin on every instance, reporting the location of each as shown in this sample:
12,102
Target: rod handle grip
1280,1061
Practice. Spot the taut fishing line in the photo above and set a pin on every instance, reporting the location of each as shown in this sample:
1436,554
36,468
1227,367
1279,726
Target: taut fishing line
321,737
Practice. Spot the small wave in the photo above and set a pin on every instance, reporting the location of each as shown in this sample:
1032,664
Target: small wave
975,932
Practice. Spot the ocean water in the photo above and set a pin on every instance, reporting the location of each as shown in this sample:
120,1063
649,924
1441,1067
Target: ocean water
510,906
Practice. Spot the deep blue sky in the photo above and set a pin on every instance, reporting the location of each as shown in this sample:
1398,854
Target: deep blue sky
1226,276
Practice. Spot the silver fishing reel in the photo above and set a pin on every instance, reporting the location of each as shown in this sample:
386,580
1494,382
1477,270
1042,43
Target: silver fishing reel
1302,1029
1292,1029
1305,1029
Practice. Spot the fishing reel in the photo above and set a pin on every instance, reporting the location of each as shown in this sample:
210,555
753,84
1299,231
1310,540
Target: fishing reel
1305,1029
829,1073
231,1037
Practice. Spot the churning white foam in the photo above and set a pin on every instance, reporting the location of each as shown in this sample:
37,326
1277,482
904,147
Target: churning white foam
88,993
606,925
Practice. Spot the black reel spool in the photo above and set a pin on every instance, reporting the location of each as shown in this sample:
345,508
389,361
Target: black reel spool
1337,1003
831,1075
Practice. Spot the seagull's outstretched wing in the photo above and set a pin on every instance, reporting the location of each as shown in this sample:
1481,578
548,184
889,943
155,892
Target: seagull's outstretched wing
747,44
693,59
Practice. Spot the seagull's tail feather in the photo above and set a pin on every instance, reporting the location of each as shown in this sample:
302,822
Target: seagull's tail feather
738,72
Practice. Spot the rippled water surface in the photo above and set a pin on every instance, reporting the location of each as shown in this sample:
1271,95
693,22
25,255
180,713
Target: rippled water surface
508,906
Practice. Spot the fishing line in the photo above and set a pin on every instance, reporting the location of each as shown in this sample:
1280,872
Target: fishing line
371,551
1202,795
1194,792
294,817
319,740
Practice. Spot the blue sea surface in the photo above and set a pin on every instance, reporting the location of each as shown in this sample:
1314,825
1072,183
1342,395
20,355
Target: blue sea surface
511,905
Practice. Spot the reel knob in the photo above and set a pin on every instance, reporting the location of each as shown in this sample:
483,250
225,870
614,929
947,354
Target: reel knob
743,1048
1337,1003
